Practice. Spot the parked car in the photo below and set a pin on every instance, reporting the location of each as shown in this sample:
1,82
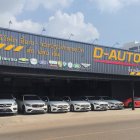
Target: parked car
8,104
128,102
31,104
96,104
76,104
113,103
56,104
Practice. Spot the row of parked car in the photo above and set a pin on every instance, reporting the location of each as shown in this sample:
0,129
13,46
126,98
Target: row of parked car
34,104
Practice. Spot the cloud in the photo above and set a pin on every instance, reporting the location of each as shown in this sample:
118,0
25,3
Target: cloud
11,6
60,25
113,5
48,4
63,24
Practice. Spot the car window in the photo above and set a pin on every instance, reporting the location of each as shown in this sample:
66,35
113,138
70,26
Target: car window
137,99
84,98
107,98
93,98
31,98
6,96
45,99
55,99
66,99
75,98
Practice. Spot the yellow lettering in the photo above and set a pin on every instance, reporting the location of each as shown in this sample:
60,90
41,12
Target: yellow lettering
121,56
129,56
136,58
112,55
98,52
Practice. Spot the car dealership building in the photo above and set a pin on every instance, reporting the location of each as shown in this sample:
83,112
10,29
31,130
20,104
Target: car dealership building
38,64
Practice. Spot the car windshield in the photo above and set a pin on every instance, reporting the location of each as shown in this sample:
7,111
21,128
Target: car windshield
93,98
137,98
55,99
107,98
76,99
6,96
31,98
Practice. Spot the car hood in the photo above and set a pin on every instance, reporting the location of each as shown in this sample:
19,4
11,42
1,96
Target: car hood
58,103
98,102
113,101
7,101
80,102
34,102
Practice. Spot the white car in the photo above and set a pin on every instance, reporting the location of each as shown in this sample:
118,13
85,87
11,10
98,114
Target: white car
31,104
113,103
8,104
76,104
56,104
96,104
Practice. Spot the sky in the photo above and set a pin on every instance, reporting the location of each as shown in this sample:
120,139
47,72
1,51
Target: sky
105,22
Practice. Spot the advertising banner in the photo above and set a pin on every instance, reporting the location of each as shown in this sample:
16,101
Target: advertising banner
36,51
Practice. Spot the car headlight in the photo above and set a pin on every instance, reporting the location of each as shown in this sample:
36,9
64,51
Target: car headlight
28,105
77,104
54,105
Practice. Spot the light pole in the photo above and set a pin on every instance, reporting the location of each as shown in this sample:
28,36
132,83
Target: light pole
96,39
70,36
115,44
10,23
43,30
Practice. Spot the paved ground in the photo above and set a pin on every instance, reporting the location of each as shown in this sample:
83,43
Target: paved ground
108,125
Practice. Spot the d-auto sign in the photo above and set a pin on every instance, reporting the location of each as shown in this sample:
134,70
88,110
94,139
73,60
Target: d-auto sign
36,51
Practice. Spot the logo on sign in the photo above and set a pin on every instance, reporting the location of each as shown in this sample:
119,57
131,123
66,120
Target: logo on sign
64,64
43,62
60,64
53,63
23,60
33,61
70,65
77,66
85,65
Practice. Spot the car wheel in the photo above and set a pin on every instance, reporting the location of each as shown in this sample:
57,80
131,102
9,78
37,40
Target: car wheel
23,110
72,108
130,105
92,107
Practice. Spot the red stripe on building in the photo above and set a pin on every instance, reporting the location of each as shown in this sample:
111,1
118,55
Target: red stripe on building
115,62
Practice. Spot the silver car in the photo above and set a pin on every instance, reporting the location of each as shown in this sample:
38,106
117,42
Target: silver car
56,104
96,104
76,104
113,103
8,104
31,104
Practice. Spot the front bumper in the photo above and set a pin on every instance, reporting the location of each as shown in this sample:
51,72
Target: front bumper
60,109
36,109
82,108
101,107
116,106
9,110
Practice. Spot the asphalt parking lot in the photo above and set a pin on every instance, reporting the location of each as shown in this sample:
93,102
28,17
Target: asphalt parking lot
73,125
